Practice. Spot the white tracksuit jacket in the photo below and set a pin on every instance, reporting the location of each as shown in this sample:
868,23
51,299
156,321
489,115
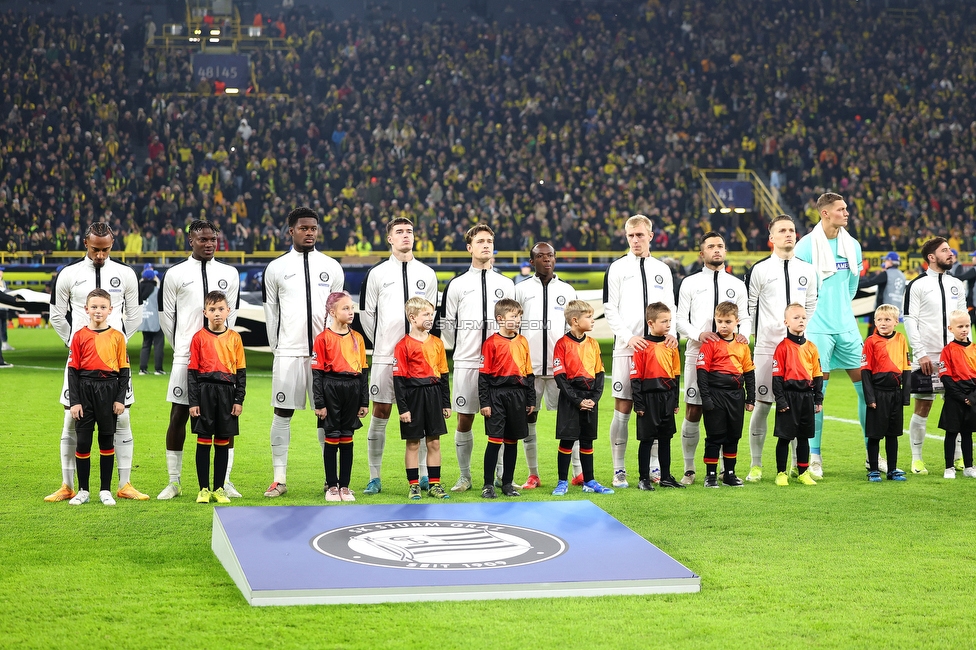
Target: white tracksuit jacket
386,288
295,289
697,298
468,312
181,295
73,285
543,320
632,283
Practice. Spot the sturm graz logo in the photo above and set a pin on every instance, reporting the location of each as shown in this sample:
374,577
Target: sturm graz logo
421,285
803,281
692,392
323,276
374,389
67,395
954,291
177,391
280,397
617,386
439,544
222,284
115,282
561,300
460,401
730,293
763,390
499,293
659,279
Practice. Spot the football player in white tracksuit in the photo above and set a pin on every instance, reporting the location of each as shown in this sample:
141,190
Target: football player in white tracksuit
775,282
928,300
96,271
697,298
635,274
467,320
296,287
543,298
386,288
181,304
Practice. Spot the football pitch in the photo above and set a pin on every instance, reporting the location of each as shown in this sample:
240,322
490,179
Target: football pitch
843,564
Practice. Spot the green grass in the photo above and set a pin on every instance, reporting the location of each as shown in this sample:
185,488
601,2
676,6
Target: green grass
842,564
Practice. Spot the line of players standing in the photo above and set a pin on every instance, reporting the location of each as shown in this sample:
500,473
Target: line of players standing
297,284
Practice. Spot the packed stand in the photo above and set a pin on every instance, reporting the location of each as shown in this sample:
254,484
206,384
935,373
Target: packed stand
544,132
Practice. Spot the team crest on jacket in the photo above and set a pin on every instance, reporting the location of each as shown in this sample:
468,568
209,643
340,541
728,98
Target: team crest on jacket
421,285
499,293
323,276
222,284
116,283
802,281
659,279
953,290
560,300
438,544
730,293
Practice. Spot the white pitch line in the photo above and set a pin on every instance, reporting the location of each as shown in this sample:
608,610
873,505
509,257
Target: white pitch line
18,365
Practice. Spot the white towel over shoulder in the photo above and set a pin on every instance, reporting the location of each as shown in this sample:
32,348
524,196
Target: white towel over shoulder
823,258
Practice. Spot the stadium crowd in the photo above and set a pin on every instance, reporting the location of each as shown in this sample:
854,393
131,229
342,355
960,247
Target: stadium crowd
545,133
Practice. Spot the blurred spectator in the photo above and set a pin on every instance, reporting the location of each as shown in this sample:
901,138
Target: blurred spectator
152,334
556,131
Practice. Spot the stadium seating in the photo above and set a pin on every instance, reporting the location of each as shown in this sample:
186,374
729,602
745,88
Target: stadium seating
549,131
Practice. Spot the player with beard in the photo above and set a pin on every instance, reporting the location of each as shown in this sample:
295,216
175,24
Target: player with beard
181,304
698,297
774,283
929,299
